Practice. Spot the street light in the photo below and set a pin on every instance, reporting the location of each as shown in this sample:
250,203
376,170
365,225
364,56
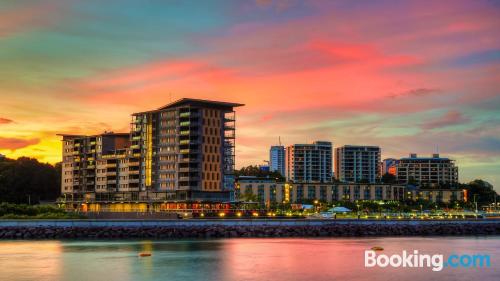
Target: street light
357,206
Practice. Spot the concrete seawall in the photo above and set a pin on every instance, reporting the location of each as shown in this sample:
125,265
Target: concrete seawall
175,229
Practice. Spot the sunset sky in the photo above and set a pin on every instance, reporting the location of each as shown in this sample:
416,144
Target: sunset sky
409,76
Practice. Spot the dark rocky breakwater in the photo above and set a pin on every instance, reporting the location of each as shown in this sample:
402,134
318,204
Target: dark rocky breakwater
229,231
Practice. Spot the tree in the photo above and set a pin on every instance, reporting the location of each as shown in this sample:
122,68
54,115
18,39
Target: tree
258,172
26,180
483,190
248,196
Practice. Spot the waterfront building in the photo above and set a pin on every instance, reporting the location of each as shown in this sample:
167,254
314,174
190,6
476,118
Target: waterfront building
181,151
436,195
277,159
309,162
431,171
269,191
355,163
98,163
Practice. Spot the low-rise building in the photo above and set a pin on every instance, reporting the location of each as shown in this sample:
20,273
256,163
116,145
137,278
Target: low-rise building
436,195
266,190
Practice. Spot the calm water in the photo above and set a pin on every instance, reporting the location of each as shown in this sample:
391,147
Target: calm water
234,259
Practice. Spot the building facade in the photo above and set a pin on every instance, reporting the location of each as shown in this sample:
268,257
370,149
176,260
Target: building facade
309,162
431,171
277,159
357,163
98,164
437,195
181,151
269,191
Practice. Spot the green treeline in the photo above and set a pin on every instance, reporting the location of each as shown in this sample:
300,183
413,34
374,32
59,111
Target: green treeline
27,181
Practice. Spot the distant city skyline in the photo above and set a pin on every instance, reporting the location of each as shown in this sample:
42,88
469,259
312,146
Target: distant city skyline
408,76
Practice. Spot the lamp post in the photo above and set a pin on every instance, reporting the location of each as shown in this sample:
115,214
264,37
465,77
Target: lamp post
475,203
357,206
380,207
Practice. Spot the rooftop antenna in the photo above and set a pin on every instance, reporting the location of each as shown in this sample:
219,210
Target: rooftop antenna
279,140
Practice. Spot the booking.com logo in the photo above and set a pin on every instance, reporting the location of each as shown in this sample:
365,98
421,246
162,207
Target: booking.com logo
416,260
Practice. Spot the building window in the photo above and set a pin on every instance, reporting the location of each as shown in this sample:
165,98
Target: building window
378,193
311,192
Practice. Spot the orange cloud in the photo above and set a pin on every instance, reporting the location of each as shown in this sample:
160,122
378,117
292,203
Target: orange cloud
5,121
16,143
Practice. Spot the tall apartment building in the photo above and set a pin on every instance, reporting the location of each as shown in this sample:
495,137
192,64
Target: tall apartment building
309,162
277,159
181,151
357,163
427,170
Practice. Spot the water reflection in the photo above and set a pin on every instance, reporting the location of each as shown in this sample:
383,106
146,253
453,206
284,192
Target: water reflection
231,259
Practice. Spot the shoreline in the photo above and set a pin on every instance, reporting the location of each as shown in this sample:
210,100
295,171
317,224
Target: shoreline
208,229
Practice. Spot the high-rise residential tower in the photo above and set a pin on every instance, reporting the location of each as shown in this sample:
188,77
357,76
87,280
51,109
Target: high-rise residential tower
309,162
181,151
357,163
277,159
187,149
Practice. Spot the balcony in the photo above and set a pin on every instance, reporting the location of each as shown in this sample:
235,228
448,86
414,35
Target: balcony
184,124
185,114
185,170
184,133
91,167
112,165
188,178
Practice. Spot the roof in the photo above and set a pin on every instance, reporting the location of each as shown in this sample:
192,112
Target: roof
196,102
70,136
360,146
426,158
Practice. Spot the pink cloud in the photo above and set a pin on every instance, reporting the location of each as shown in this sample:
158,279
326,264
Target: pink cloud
32,16
451,118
